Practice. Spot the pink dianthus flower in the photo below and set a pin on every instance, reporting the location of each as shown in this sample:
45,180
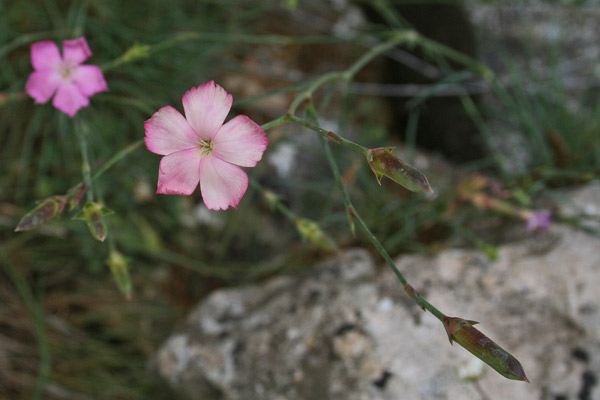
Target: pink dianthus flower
199,148
65,78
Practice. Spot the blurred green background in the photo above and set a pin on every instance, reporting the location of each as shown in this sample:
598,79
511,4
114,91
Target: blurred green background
65,330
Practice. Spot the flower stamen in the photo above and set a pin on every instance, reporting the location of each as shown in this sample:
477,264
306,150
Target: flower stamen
65,70
206,147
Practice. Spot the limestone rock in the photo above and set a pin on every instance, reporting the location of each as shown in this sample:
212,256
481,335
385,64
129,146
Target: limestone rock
346,330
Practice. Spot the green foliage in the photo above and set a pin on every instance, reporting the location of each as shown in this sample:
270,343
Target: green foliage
170,251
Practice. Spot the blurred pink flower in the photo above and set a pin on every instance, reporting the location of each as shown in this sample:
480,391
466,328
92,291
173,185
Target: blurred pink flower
538,220
64,76
201,149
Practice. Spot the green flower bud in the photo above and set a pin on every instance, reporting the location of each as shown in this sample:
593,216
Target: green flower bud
93,214
46,210
312,232
119,266
136,52
462,332
384,163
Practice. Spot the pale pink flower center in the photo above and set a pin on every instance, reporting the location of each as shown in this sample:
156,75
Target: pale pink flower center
66,70
206,147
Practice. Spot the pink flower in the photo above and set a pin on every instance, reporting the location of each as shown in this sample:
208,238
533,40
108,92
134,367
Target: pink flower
538,220
200,148
72,82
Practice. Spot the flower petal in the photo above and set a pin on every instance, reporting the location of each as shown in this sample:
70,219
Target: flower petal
206,108
222,184
178,172
45,55
69,99
42,84
76,51
240,141
167,131
89,79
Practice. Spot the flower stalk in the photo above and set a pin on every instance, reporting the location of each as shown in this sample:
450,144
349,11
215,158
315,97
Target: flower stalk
86,169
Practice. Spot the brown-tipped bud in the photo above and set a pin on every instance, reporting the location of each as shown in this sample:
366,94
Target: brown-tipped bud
384,163
93,214
46,210
462,332
312,232
76,193
119,266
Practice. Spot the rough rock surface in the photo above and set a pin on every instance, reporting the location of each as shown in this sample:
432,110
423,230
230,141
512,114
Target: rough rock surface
537,30
346,330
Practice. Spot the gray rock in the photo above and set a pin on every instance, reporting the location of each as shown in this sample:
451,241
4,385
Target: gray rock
347,330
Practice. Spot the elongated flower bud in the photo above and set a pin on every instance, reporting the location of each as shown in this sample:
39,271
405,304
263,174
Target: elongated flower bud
384,163
46,210
312,232
462,332
76,193
119,266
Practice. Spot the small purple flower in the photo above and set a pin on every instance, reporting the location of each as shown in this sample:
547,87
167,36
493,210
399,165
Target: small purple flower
65,78
538,220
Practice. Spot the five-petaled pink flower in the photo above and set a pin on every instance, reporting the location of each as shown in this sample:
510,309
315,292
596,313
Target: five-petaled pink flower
72,82
200,148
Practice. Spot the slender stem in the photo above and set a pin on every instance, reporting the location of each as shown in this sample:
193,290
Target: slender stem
405,36
363,226
139,51
273,199
30,38
109,163
334,137
473,65
275,123
330,77
348,74
116,158
86,169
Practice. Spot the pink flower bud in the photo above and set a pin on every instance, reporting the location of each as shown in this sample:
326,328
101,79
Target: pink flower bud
75,194
384,163
46,210
462,332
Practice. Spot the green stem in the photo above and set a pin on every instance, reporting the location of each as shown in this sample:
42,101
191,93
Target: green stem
397,38
86,169
473,65
30,38
363,226
139,51
269,39
273,199
330,77
109,163
275,123
116,158
334,137
348,74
